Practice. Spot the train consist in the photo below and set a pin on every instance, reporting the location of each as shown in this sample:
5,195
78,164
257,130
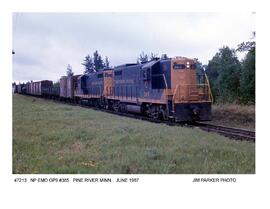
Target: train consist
168,89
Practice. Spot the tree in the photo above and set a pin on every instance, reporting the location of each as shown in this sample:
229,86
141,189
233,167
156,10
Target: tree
56,84
200,72
223,72
107,63
164,56
153,56
98,62
69,70
247,46
142,58
247,80
88,64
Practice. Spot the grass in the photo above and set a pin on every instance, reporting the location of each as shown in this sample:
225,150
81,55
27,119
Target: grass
53,138
233,115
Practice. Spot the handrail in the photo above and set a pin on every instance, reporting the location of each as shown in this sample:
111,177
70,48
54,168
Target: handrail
192,85
165,80
175,90
209,87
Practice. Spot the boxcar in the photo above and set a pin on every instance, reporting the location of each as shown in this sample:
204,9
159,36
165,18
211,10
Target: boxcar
63,87
72,82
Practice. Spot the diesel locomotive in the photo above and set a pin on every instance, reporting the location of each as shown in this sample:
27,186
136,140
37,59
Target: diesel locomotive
169,89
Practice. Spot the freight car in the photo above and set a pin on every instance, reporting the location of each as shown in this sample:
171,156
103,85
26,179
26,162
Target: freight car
38,88
68,84
43,88
21,88
14,88
162,88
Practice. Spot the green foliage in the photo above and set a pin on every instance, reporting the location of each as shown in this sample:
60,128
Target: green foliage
246,46
95,64
142,58
98,62
88,64
223,72
56,84
153,56
107,62
200,72
164,56
247,81
69,70
232,81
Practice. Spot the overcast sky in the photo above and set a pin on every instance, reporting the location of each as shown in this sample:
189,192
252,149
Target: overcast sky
45,43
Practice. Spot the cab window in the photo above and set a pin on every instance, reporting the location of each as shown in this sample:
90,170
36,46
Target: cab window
179,66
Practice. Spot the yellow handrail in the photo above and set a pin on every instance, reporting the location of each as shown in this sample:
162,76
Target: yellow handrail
209,87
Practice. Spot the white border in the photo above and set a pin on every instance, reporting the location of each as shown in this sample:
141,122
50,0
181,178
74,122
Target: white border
153,191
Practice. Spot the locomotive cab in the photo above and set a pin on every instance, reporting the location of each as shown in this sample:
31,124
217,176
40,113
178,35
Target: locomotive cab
191,96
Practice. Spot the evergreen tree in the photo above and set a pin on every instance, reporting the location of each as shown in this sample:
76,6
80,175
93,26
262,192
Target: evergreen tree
142,58
69,70
164,56
98,62
153,56
107,63
88,64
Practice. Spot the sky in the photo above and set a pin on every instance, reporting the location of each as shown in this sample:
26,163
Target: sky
45,43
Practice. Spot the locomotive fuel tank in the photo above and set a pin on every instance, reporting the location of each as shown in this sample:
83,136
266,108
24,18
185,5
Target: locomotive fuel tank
134,109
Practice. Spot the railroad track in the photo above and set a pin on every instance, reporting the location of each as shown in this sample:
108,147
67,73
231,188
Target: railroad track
233,133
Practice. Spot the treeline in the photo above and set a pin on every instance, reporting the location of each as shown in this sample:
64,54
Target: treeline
233,80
